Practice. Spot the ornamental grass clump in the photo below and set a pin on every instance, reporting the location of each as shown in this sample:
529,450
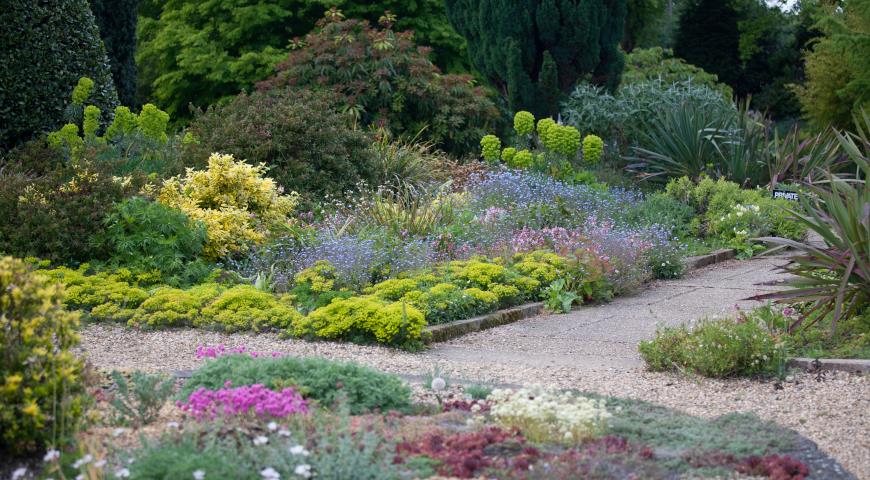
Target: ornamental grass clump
245,400
546,416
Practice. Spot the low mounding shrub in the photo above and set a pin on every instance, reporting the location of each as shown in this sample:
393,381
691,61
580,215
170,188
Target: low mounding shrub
243,307
364,319
237,203
358,388
735,215
714,348
148,236
41,389
666,211
167,307
544,416
381,77
55,215
307,144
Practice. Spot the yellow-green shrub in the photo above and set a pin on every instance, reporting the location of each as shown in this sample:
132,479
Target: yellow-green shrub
237,203
545,267
445,302
394,288
40,378
244,307
364,318
318,278
506,294
99,291
174,307
477,272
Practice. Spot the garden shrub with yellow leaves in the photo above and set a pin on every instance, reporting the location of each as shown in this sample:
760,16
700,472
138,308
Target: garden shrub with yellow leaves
244,307
40,378
237,203
86,292
445,302
174,307
364,319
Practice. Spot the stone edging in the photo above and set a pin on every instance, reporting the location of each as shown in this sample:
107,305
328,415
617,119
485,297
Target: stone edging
718,256
446,331
838,364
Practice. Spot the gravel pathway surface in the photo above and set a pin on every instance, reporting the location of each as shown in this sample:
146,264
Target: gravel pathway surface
592,349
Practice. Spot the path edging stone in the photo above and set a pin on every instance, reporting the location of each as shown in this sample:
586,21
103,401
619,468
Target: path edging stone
838,364
446,331
717,256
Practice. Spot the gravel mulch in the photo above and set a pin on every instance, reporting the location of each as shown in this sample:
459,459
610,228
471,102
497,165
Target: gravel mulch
833,412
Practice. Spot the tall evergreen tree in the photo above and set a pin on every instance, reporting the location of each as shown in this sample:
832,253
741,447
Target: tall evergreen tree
534,50
117,22
45,47
708,37
750,45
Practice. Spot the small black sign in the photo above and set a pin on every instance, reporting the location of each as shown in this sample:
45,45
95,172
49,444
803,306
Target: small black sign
793,196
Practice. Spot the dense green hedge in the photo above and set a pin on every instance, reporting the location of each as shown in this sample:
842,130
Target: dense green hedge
45,47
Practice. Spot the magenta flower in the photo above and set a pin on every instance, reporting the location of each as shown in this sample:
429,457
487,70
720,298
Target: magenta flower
256,399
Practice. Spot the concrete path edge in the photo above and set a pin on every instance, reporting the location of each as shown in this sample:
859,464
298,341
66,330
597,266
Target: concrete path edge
839,364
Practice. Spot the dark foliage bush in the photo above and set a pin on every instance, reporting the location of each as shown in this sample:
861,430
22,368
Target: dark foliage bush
360,388
148,236
116,20
54,215
308,146
752,46
380,77
45,47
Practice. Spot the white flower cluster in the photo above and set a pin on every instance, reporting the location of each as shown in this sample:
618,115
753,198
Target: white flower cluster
542,415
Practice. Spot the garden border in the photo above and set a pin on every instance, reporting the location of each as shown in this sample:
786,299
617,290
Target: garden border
451,330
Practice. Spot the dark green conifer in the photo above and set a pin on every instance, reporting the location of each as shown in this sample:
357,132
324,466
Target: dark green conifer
535,50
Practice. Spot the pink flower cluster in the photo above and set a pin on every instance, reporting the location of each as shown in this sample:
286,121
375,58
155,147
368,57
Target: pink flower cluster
559,239
206,351
229,401
597,237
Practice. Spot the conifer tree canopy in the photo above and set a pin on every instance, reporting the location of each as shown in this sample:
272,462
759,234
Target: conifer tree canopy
535,50
117,22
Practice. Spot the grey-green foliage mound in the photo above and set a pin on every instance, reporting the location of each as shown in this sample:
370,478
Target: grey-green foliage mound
45,47
360,389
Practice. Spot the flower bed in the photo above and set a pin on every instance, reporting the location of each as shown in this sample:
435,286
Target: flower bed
260,423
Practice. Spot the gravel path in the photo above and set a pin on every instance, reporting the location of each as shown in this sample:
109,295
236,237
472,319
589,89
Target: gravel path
582,350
